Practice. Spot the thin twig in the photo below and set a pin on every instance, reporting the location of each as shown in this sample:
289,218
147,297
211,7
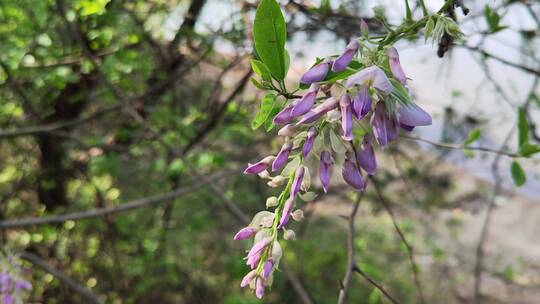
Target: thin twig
143,202
358,270
479,263
408,246
350,252
78,288
460,146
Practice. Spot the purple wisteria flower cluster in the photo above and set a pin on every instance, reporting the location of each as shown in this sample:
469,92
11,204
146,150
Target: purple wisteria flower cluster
12,284
351,104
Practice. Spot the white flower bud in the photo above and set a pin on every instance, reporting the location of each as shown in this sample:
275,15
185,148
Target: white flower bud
272,201
267,221
264,174
298,215
289,235
277,181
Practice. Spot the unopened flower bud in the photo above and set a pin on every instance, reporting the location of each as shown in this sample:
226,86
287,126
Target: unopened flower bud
264,174
287,131
289,235
277,181
364,27
298,215
272,201
267,221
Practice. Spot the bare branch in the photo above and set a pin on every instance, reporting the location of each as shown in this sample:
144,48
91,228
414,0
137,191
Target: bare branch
78,288
408,246
350,252
460,146
139,203
377,285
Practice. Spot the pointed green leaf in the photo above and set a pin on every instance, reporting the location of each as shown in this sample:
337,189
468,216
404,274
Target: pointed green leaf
266,108
528,149
473,136
261,69
523,127
518,175
269,35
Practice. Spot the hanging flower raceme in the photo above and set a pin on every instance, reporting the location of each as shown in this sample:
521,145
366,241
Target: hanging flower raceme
372,101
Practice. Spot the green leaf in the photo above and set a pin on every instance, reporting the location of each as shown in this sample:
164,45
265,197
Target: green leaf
269,124
518,175
523,127
91,7
269,35
473,136
493,20
528,149
430,25
257,84
399,92
261,69
267,105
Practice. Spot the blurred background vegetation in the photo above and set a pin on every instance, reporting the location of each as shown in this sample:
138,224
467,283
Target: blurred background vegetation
103,102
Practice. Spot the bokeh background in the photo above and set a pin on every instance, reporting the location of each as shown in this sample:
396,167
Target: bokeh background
103,102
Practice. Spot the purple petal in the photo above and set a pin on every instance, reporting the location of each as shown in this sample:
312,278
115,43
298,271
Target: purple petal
328,105
316,73
395,65
259,288
7,299
351,173
308,145
284,116
378,122
361,103
371,76
248,278
345,59
254,253
324,170
297,182
405,127
245,233
260,166
413,116
346,117
282,157
306,102
391,128
366,156
267,268
286,213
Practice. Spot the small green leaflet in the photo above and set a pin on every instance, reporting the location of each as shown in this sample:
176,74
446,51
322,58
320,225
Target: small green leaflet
399,92
269,35
523,127
267,105
473,136
518,175
269,124
261,69
493,20
528,149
